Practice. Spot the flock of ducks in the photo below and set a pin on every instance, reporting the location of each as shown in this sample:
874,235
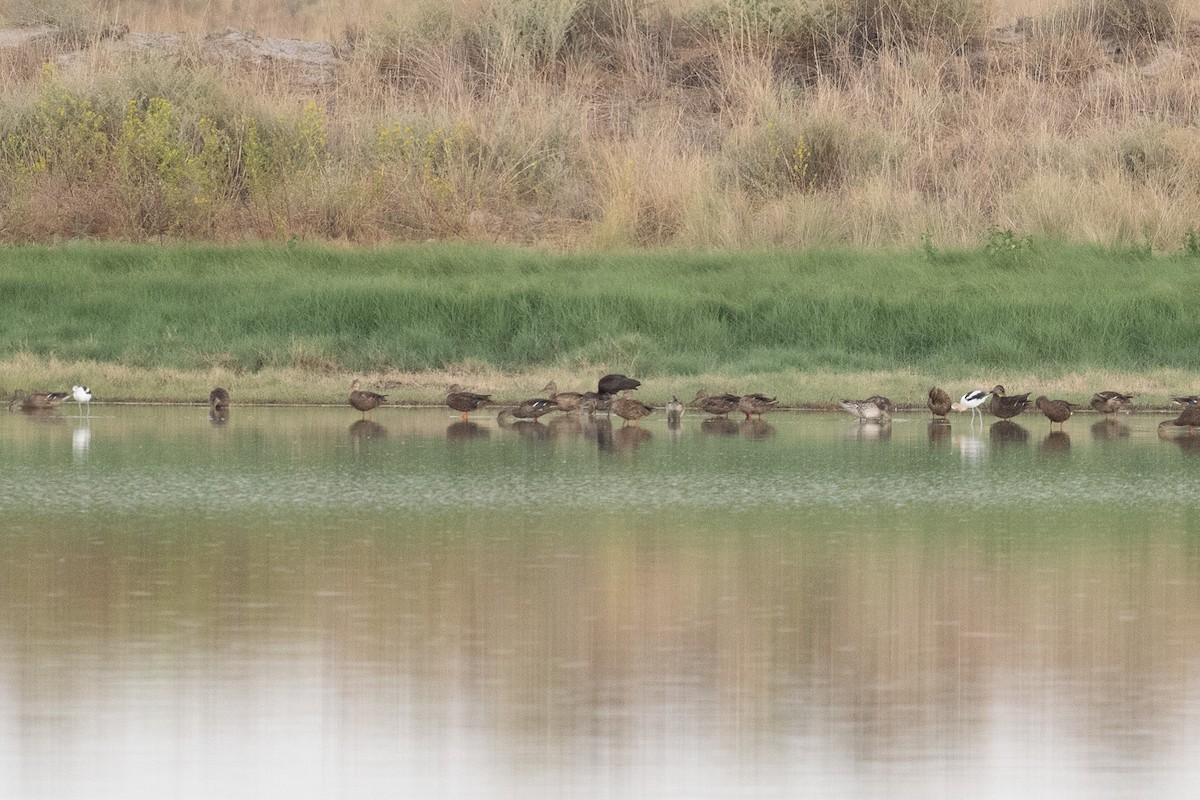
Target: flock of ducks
612,395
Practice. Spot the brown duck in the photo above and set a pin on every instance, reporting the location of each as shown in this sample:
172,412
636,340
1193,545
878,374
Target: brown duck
1189,417
567,401
365,401
1055,410
939,402
37,401
629,409
716,404
533,408
463,401
218,399
1111,402
756,404
1006,407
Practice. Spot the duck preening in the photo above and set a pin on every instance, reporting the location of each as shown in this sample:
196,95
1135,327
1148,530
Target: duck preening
365,401
1111,402
567,401
629,409
875,408
719,405
463,401
939,402
1055,410
218,398
1007,406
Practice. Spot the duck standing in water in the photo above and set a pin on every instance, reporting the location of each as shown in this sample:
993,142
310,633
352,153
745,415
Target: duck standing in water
630,409
674,409
463,401
756,404
1108,403
365,401
567,401
939,402
218,399
1189,418
1004,406
719,405
875,408
1055,410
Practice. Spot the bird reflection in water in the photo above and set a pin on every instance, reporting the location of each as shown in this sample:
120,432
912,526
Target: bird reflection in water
719,426
81,442
365,430
1108,430
939,432
1005,432
218,415
462,431
532,430
1189,445
1055,442
870,431
565,426
630,437
600,431
674,426
756,429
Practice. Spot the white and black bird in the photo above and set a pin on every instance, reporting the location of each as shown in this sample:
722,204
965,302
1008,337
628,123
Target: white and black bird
82,396
971,401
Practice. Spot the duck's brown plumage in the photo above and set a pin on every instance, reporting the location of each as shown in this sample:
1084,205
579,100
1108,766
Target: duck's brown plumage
1055,410
365,401
1111,402
37,401
939,402
567,401
756,404
1007,406
534,407
1189,418
463,401
629,409
218,398
715,404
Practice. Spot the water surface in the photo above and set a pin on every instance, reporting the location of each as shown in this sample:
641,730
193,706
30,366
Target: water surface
301,603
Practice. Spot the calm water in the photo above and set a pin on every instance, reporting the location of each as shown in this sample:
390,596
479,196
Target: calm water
298,604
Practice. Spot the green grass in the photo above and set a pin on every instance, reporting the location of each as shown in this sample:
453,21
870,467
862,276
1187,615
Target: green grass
1040,311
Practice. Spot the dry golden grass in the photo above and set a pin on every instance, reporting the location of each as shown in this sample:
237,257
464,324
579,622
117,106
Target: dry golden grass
640,125
812,390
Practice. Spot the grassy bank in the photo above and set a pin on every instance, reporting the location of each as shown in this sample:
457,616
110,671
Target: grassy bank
293,323
607,124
